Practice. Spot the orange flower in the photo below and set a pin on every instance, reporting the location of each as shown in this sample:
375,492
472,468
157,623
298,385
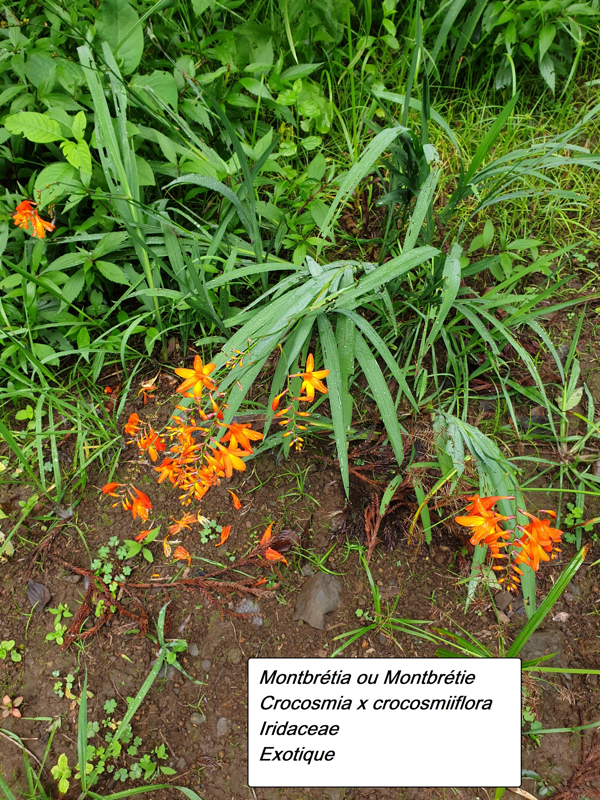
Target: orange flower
277,399
180,524
152,443
237,504
168,469
27,217
311,379
167,546
182,554
238,433
273,555
196,378
133,424
224,535
139,505
230,459
484,522
109,488
538,541
141,535
266,535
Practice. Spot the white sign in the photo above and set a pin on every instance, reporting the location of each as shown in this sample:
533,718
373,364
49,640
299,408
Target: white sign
384,722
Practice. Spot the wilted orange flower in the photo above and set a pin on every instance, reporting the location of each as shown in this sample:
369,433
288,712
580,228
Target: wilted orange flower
180,524
167,546
152,443
311,379
237,503
181,553
273,555
224,535
266,535
109,488
239,433
133,424
139,504
196,378
141,535
28,218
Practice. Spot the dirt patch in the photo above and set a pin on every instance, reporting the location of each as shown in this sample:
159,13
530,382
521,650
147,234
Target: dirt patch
202,728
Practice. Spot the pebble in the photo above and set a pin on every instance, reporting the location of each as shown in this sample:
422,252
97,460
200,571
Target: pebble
234,655
193,650
72,578
502,618
307,571
197,718
223,727
181,764
206,664
503,600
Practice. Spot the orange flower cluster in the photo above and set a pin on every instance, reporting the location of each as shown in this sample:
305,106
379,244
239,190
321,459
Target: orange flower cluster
27,217
131,499
311,380
537,543
198,450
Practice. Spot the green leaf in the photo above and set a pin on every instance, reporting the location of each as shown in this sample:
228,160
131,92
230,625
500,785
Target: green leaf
334,384
547,71
56,180
78,126
83,339
381,395
546,606
547,35
159,82
35,127
78,154
451,285
115,22
112,272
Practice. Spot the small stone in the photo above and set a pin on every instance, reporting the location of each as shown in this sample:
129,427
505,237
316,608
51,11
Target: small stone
181,764
112,659
206,664
234,655
193,650
72,578
165,672
502,618
307,571
247,606
197,718
223,727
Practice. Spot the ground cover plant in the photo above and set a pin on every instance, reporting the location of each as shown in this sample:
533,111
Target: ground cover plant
291,288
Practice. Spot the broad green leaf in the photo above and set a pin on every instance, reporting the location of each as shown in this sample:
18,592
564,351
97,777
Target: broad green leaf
159,82
35,127
547,71
115,22
547,35
78,126
78,154
112,272
56,180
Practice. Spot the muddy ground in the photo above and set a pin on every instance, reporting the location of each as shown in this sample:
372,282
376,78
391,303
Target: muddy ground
203,727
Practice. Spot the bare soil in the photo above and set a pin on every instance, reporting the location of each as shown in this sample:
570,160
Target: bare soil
302,494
